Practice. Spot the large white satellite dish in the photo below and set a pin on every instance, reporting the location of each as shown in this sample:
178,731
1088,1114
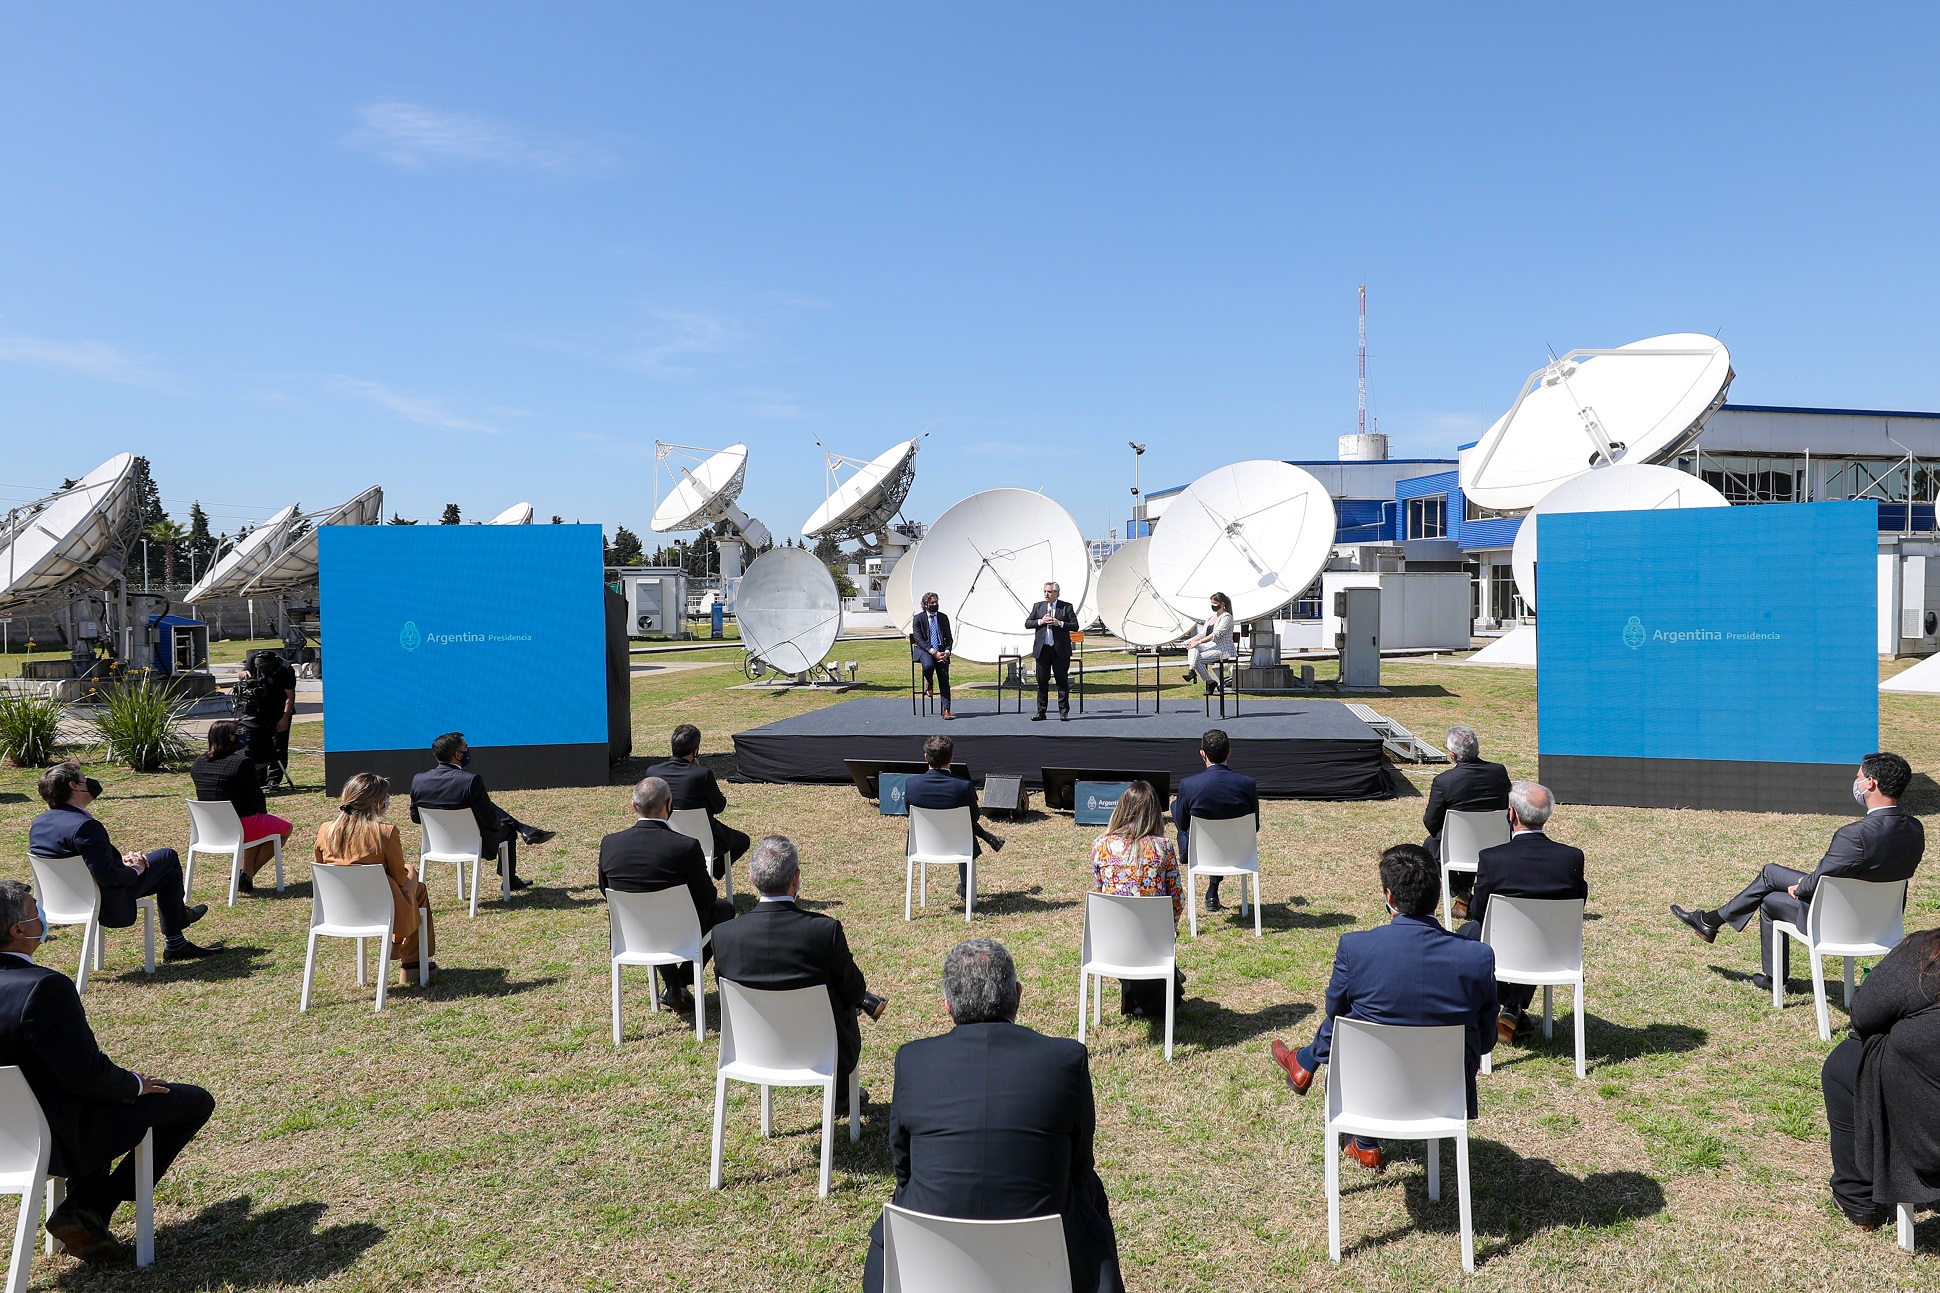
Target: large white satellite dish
517,514
1640,403
1626,487
296,565
867,502
988,558
63,536
243,562
704,497
1131,607
789,611
1257,531
899,592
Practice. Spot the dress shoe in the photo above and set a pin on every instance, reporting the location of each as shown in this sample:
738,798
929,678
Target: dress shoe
1190,676
1038,717
411,970
1763,982
1459,909
190,952
1370,1158
519,882
678,1000
1505,1028
948,716
84,1236
192,914
1064,716
1213,903
996,842
1696,920
537,837
842,1099
245,884
1297,1078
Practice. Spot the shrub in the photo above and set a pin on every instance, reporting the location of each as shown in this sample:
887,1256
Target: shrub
29,729
141,723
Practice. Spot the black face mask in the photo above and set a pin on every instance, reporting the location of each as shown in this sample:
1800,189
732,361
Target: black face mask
465,759
94,787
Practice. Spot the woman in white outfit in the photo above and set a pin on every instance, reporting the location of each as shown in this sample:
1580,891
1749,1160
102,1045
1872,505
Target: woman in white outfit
1213,642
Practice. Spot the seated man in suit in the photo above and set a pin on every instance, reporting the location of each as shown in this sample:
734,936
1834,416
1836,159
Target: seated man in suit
96,1111
1530,865
448,784
1216,794
1472,785
779,945
694,786
649,856
930,644
68,829
1409,971
1884,845
992,1121
938,787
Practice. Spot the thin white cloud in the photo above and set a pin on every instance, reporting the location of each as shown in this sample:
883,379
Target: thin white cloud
674,336
95,359
775,405
421,409
414,135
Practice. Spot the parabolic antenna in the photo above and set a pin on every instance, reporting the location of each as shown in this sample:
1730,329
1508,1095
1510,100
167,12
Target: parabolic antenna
867,502
296,565
899,592
62,537
704,494
789,610
1131,607
1257,531
988,558
1626,487
517,514
246,560
1640,403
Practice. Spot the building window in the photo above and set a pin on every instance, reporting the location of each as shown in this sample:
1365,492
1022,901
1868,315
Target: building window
1428,517
1474,511
1504,602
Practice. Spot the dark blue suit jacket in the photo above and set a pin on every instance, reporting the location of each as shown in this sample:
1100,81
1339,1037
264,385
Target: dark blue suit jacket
1530,865
446,785
88,1099
1217,794
939,788
67,831
1411,971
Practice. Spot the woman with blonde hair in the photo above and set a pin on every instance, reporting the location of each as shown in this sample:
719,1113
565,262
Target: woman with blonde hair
358,835
1134,858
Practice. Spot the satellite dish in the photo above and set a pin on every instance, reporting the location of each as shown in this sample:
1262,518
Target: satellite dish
1626,487
517,514
1257,531
63,536
789,611
1640,403
1131,607
867,502
247,559
705,493
296,565
988,559
899,592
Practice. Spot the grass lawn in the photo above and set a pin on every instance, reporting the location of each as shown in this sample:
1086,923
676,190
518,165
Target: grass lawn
486,1134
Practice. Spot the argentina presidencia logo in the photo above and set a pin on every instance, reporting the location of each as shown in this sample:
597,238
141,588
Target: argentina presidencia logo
1633,633
409,637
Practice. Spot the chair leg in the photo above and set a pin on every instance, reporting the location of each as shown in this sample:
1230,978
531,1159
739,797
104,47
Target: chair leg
1904,1215
505,872
360,962
1467,1206
1580,1052
1447,910
1097,998
1084,991
384,968
720,1110
148,935
1171,1004
458,880
922,884
145,1200
1488,1062
23,1238
909,885
767,1111
855,1105
475,861
1192,902
1434,1171
828,1135
970,890
90,935
1850,984
309,971
277,846
424,947
235,873
1256,903
1778,978
1549,1011
700,1004
1330,1152
1818,995
56,1194
616,998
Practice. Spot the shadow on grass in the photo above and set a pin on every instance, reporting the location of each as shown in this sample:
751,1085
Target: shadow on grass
546,897
1922,794
1280,915
9,797
1210,1025
1421,689
238,961
1604,1043
227,1244
1015,902
486,981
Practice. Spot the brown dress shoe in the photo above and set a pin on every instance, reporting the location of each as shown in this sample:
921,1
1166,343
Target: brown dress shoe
1297,1078
1372,1159
1459,909
82,1241
1505,1028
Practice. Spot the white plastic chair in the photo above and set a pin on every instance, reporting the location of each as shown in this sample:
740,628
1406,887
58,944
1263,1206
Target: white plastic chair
659,928
1849,918
25,1145
355,902
66,894
1904,1214
1465,833
780,1038
926,1254
1399,1084
1127,938
940,837
1223,846
214,827
451,835
696,825
1538,941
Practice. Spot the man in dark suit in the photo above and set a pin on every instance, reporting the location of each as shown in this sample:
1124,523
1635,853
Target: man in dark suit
1409,971
993,1122
938,787
450,784
930,644
1472,785
780,946
1052,623
694,786
68,829
1884,845
1217,794
96,1111
650,856
1530,865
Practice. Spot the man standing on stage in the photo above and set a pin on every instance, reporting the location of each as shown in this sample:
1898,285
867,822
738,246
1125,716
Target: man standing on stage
1052,623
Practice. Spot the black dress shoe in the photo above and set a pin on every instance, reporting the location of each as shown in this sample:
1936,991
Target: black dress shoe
842,1099
678,1000
192,914
1763,982
190,952
1037,717
537,837
996,842
720,869
1213,903
1695,919
520,882
1064,716
84,1236
245,884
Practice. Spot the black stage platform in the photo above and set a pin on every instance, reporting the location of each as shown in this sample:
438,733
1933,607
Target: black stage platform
1294,747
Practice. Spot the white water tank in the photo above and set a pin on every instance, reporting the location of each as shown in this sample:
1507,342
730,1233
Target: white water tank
1368,446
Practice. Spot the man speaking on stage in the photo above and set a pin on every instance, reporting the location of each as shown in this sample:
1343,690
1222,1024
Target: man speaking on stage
1052,622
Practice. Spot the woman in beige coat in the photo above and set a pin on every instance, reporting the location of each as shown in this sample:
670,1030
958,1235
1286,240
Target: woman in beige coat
359,836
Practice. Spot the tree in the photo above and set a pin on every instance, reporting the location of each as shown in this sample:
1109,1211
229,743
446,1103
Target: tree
169,535
397,519
148,499
828,551
625,549
202,544
558,519
844,586
450,516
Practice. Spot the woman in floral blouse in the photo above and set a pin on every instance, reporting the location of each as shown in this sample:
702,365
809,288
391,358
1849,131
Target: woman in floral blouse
1134,858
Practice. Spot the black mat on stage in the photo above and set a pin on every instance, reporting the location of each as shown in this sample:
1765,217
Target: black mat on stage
1294,747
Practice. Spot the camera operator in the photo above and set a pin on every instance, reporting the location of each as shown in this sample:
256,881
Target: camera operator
267,697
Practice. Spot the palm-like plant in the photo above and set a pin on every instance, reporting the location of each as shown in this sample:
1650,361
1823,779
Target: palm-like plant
169,534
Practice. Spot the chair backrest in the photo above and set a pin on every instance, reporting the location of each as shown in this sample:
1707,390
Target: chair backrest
64,889
214,822
1534,935
24,1138
1466,832
940,831
925,1254
792,1028
662,921
695,825
1225,842
356,895
1857,913
450,831
1393,1071
1121,930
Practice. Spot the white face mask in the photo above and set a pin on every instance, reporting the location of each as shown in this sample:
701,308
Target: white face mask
1859,791
40,934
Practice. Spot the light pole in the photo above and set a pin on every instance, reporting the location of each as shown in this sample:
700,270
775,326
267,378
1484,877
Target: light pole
1138,452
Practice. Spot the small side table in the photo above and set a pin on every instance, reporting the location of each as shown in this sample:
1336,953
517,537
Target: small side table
1015,670
1158,678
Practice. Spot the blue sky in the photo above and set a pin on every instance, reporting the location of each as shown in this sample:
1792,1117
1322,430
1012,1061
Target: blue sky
486,253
